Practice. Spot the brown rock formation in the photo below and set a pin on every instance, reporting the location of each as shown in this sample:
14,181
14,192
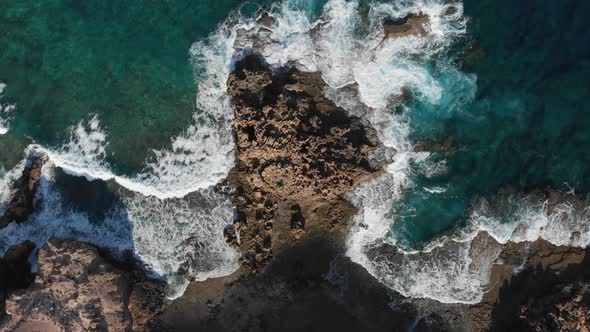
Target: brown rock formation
77,289
296,152
20,206
409,25
539,264
291,140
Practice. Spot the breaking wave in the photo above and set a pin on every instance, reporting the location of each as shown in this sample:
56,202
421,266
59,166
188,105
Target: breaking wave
455,268
168,215
6,112
198,158
177,239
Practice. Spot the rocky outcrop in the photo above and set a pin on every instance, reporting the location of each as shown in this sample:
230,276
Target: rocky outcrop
296,153
291,140
21,206
566,307
410,25
77,289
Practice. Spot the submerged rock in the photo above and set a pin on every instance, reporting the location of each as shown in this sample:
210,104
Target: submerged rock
21,206
77,289
409,25
445,148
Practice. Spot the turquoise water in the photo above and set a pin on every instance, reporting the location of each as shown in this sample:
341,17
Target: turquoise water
527,127
126,61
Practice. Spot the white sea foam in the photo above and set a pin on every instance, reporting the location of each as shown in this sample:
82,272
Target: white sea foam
182,238
564,224
7,178
203,154
53,218
6,112
177,239
197,158
455,268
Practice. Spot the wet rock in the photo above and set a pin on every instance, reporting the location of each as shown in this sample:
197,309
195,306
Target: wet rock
293,294
410,25
265,19
526,286
77,289
145,304
21,205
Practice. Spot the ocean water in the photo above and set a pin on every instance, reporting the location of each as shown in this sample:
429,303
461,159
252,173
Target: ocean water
127,103
525,126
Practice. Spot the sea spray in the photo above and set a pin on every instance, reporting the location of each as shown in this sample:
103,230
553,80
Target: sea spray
6,111
182,238
177,239
7,179
198,158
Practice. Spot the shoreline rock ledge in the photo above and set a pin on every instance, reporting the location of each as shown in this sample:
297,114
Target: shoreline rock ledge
297,154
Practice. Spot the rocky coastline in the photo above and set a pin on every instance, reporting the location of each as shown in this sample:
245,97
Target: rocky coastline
297,155
74,286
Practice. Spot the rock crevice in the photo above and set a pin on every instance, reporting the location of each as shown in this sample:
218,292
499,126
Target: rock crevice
296,151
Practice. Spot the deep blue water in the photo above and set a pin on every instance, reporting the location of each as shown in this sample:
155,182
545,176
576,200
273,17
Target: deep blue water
528,127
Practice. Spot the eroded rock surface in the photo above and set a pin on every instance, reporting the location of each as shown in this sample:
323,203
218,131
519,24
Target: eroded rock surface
21,206
291,140
76,289
296,153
